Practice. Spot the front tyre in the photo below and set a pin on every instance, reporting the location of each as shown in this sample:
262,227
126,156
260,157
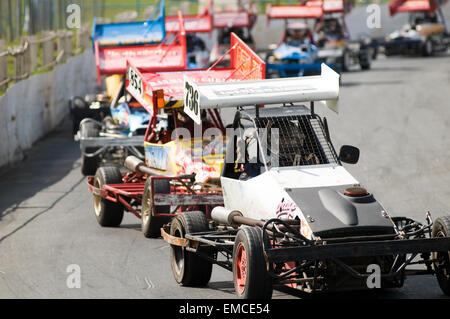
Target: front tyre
188,268
441,228
108,213
251,279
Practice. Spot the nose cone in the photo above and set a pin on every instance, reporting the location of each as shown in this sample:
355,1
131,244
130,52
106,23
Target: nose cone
339,207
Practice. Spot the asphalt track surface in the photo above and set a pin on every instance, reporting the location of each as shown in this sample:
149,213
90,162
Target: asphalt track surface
398,114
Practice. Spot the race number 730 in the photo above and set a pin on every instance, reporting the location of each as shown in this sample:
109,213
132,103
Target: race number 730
192,101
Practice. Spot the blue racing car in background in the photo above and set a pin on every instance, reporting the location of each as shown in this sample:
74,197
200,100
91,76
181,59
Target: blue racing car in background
297,53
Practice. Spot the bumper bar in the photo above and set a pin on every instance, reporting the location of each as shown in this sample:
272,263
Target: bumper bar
111,142
359,249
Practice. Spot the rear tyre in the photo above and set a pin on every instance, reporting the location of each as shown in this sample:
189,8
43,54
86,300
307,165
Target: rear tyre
441,228
375,51
388,52
345,60
109,214
365,61
151,225
89,164
427,49
188,268
251,279
78,109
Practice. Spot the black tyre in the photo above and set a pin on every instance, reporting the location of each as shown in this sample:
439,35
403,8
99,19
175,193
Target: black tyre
427,49
375,51
345,61
89,164
190,269
251,279
365,60
109,214
78,109
441,228
388,52
151,225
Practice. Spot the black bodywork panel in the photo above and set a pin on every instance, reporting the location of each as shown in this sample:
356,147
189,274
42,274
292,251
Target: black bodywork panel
333,214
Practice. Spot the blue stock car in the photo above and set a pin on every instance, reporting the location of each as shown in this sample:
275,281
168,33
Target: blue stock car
297,55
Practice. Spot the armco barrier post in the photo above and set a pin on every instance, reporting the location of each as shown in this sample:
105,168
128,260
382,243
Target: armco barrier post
79,36
60,40
83,39
68,44
48,49
33,49
3,69
25,56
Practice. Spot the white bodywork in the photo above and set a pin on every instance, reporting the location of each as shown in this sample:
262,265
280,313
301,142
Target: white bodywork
406,32
265,196
320,88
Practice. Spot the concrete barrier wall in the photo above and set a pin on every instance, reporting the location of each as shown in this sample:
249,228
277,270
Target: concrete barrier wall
33,108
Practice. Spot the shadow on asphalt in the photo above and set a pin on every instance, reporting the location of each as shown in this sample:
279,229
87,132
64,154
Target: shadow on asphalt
371,83
51,159
382,69
136,227
223,286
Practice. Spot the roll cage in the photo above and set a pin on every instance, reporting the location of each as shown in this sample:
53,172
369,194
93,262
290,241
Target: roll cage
266,139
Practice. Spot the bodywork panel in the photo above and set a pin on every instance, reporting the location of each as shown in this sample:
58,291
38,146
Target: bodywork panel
204,157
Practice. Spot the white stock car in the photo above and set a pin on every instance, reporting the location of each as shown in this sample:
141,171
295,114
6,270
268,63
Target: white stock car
293,215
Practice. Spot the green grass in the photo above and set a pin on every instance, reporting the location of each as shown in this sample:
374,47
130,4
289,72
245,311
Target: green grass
40,62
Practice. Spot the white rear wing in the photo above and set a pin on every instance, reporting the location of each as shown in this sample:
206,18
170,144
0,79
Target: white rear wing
320,88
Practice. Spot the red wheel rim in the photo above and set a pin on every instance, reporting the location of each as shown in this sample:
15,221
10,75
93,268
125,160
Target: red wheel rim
241,268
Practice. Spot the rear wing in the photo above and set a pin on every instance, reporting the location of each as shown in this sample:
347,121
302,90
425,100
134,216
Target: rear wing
201,23
294,12
149,58
331,6
323,88
245,65
131,33
231,19
398,6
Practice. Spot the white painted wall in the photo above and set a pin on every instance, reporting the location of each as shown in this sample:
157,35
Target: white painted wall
32,108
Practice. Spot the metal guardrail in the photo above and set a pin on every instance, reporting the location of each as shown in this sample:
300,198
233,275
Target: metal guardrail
39,54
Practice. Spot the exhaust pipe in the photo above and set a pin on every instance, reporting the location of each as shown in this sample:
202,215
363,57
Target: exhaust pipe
137,165
233,218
